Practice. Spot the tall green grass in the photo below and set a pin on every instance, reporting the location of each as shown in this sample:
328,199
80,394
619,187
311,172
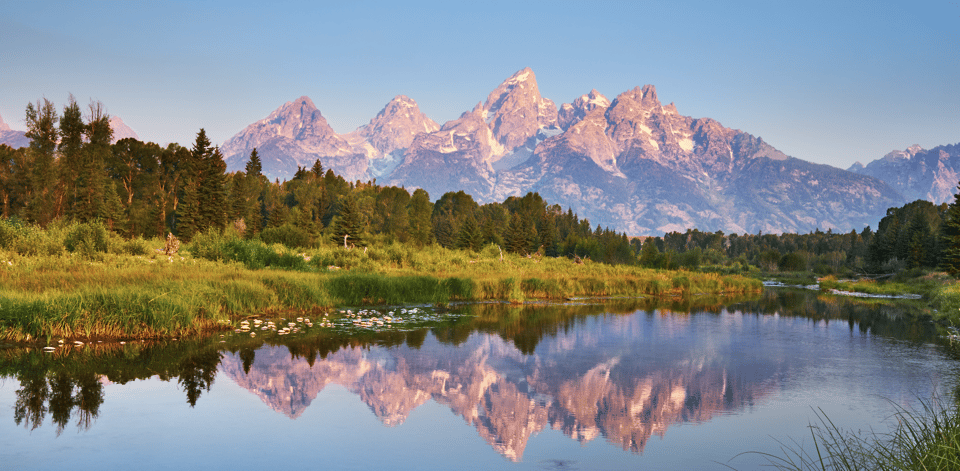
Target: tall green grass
83,286
924,439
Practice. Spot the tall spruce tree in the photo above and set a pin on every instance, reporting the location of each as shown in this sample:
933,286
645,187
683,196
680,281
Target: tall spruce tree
214,200
91,180
42,131
349,223
71,147
950,234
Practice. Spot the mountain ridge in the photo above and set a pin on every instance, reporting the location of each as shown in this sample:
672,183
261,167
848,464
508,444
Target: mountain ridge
630,163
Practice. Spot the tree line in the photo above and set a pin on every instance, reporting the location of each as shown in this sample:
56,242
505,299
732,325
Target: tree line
919,235
71,171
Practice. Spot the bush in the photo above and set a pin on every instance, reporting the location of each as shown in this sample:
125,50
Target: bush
287,234
209,245
10,230
87,239
793,261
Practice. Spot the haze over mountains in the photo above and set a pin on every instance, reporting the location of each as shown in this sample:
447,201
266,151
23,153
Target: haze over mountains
631,163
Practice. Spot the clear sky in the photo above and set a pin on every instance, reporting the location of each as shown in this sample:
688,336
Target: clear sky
827,81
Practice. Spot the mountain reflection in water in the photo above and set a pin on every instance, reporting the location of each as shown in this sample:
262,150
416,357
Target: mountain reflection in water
623,372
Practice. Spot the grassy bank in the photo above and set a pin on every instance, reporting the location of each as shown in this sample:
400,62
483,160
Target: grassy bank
119,292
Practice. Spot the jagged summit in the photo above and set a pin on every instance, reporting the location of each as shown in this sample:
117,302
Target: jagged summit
121,130
572,113
918,173
396,125
12,138
515,110
630,163
294,135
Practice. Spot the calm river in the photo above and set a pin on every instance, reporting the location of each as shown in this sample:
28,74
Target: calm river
617,385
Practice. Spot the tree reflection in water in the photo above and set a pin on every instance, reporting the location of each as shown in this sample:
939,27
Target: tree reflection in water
69,385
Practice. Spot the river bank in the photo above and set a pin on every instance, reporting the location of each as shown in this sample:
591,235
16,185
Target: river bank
46,298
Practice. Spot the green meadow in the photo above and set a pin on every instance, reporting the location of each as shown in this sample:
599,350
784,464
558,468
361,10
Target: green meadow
79,282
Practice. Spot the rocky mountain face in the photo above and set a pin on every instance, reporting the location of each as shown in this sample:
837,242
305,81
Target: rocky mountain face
121,130
388,135
631,164
642,167
918,173
12,138
296,134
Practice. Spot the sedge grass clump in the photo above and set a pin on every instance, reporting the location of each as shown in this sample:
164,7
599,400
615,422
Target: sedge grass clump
924,439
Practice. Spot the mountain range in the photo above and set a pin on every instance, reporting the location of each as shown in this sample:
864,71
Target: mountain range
918,174
632,163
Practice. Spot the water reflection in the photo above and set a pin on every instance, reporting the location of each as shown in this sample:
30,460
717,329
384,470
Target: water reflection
624,379
70,383
621,372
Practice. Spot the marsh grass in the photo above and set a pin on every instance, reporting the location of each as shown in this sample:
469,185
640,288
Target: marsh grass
114,288
923,439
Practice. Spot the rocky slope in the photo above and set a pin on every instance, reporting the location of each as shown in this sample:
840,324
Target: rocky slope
631,164
641,167
121,130
296,134
918,173
12,138
388,135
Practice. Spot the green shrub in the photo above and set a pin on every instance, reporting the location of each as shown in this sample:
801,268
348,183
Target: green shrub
288,235
87,239
10,230
210,245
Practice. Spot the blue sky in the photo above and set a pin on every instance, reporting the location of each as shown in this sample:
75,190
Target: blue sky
831,82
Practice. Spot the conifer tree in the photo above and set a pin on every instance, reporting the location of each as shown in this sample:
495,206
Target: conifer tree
469,237
950,234
42,131
111,210
419,211
70,148
254,167
91,179
214,204
348,223
317,169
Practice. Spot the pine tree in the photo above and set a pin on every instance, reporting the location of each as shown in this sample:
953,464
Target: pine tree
419,211
91,179
70,148
111,209
42,131
469,237
950,234
317,169
214,203
348,223
253,168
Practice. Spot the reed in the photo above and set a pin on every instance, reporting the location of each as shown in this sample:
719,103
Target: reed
125,289
923,439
